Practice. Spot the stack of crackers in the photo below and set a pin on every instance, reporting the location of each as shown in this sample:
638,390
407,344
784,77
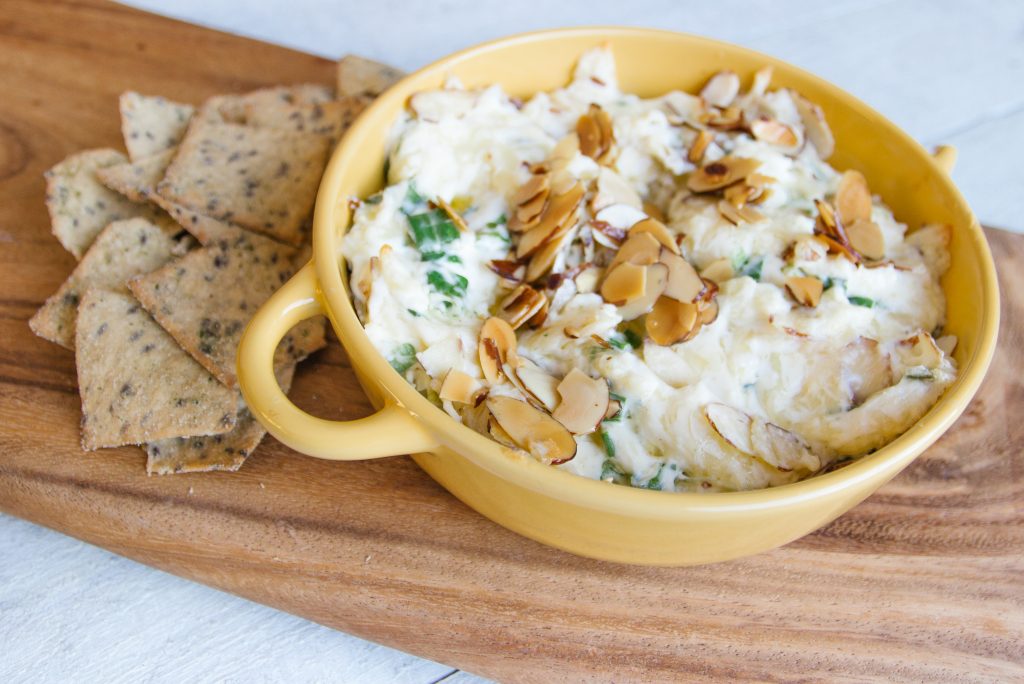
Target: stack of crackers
179,243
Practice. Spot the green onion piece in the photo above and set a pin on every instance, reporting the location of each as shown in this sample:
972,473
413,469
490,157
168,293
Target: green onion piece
402,357
609,445
451,288
752,268
866,302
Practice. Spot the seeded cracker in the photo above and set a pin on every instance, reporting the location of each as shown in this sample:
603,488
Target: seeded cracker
137,180
216,452
259,178
360,76
329,119
151,125
124,249
136,384
237,108
206,298
80,206
202,228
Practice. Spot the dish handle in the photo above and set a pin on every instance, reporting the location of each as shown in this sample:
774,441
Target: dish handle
945,158
389,432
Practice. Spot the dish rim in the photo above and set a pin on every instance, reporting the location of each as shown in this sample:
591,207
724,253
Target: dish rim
332,289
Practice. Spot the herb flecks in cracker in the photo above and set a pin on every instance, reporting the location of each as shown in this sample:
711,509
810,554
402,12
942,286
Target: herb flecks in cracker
216,452
262,179
80,206
137,385
206,299
124,249
361,76
152,124
137,180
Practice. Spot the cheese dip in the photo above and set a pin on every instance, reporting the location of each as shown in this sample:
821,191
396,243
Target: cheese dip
675,293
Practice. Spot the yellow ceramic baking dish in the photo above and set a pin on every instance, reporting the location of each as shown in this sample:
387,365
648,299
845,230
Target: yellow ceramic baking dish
588,517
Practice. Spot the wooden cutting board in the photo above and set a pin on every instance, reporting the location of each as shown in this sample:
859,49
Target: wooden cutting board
923,581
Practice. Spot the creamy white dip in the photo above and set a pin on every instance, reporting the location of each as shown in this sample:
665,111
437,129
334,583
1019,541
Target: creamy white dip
833,380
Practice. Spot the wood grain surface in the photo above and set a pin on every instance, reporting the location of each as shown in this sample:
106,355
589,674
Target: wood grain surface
923,581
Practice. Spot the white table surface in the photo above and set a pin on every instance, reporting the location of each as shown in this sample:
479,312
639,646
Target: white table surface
946,71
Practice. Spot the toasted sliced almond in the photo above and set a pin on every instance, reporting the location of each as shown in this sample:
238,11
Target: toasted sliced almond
658,230
640,249
774,132
707,312
721,89
459,387
815,126
498,433
866,369
853,198
759,180
528,213
684,284
544,258
533,430
805,290
613,189
538,184
620,216
731,424
780,448
584,402
728,119
624,283
654,211
607,235
835,247
920,350
565,151
719,270
596,135
730,213
866,237
509,270
657,279
721,173
538,319
559,215
670,320
587,279
520,305
805,248
537,383
497,343
477,417
699,146
762,79
459,222
739,194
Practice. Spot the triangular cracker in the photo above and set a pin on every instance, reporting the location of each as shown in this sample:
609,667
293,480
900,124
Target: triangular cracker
216,452
361,76
202,228
151,125
80,206
137,180
206,298
236,108
136,383
124,249
327,119
262,179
